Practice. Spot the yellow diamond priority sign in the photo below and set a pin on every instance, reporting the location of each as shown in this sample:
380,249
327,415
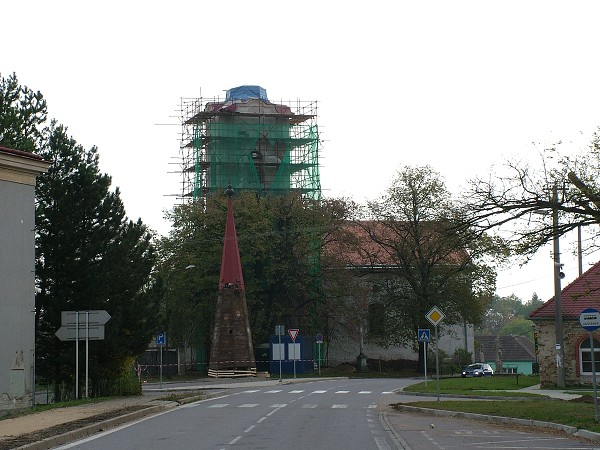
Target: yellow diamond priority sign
435,316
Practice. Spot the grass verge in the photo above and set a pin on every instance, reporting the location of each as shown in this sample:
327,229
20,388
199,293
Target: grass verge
488,386
576,413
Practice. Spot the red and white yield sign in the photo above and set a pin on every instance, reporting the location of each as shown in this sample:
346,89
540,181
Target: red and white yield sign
293,332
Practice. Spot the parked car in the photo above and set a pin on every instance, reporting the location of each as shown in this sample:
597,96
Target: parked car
478,370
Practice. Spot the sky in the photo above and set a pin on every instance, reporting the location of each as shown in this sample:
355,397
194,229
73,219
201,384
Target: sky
462,86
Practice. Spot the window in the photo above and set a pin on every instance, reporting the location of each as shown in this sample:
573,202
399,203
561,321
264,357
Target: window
376,319
585,357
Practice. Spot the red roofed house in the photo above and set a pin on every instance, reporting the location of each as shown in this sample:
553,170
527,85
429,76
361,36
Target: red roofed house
582,293
508,354
370,264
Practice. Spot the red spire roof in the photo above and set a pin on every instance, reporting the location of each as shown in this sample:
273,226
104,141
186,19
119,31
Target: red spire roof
582,293
231,266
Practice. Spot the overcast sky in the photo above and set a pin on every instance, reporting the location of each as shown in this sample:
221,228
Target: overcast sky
458,85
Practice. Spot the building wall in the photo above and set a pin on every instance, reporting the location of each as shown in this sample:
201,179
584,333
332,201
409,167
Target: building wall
521,367
18,171
573,333
347,347
347,343
17,293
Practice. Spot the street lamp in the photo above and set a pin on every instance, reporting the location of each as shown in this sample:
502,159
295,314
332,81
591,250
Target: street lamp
167,312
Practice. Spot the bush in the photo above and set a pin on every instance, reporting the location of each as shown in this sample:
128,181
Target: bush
462,357
119,387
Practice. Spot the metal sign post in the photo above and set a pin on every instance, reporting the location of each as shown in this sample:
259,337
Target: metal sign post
87,352
590,320
293,332
70,331
424,336
435,316
161,339
594,377
77,355
279,330
319,347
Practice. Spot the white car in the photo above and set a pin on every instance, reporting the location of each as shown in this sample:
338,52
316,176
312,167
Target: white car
478,370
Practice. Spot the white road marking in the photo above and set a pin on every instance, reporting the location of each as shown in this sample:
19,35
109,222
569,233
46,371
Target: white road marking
297,392
381,444
219,405
365,392
342,392
248,405
252,391
280,405
319,392
339,406
310,405
274,391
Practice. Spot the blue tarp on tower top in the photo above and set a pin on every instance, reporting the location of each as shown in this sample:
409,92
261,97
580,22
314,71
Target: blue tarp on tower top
246,92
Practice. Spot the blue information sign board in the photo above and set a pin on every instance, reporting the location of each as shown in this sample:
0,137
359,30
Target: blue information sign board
590,319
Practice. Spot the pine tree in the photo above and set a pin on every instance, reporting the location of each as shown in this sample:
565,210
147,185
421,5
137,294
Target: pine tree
22,114
88,256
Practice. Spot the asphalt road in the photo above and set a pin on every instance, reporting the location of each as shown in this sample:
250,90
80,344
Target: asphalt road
329,414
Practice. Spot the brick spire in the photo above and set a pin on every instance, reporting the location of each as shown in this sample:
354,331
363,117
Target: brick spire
231,266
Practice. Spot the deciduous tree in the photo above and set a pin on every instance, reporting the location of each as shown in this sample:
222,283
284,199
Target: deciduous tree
433,258
521,201
280,240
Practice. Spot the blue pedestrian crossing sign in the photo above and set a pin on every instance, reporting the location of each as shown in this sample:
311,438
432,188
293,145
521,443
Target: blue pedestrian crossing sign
424,335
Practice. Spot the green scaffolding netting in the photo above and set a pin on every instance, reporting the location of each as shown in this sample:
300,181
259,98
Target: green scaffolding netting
270,158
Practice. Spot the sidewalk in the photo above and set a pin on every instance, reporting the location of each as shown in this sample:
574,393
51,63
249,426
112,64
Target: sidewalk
561,395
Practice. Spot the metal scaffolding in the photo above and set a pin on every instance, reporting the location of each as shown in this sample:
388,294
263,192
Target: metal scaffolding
247,142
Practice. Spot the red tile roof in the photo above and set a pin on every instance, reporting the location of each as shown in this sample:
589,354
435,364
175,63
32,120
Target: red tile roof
582,293
355,246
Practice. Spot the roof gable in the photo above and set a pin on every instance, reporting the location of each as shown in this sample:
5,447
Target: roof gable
582,293
514,348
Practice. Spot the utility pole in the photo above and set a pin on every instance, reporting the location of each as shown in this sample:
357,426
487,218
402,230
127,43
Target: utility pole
560,367
579,251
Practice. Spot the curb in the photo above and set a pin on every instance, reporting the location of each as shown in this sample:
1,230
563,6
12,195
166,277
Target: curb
536,397
90,430
504,420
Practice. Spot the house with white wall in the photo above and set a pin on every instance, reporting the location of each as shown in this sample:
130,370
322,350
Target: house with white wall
18,171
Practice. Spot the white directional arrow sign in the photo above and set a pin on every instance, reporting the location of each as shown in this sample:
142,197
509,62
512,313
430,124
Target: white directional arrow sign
69,333
94,317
